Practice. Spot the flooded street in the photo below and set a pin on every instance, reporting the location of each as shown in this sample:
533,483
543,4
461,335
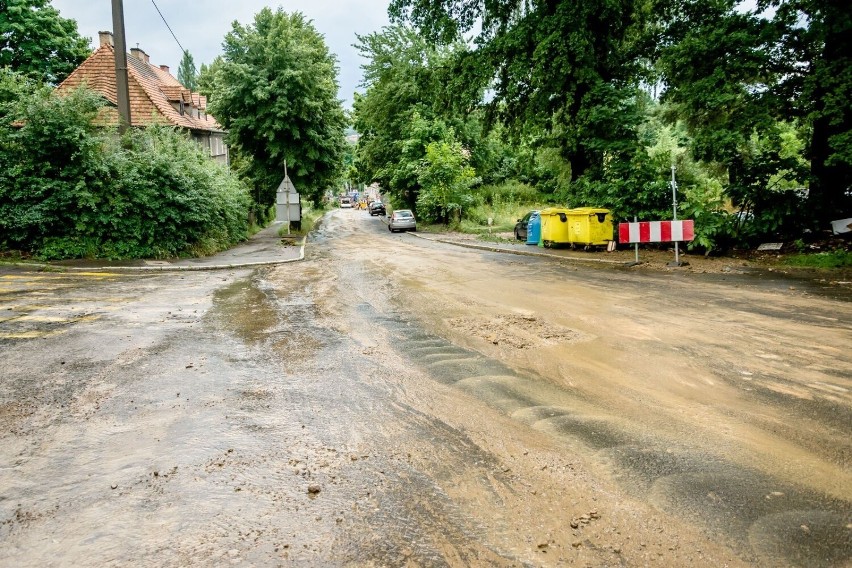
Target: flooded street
393,401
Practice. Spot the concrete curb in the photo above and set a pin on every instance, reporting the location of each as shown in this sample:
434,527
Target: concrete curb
521,252
163,268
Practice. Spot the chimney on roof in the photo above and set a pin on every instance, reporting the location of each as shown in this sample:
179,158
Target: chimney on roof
106,38
139,54
164,68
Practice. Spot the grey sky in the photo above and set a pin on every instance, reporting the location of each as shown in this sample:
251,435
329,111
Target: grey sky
200,27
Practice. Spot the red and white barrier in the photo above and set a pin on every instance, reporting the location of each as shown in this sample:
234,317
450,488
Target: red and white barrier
656,231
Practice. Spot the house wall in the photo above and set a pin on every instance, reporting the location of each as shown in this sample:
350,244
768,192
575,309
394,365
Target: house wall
214,142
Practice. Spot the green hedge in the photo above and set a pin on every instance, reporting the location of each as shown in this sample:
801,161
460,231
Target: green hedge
70,189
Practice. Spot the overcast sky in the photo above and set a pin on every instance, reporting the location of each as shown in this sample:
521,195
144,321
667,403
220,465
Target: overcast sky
200,27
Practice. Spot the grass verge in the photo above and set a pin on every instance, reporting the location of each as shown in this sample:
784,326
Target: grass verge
310,216
503,217
833,259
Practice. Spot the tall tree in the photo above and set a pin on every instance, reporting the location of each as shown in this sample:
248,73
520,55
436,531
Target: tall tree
37,41
716,69
815,53
411,101
738,78
187,73
567,68
276,93
207,77
401,91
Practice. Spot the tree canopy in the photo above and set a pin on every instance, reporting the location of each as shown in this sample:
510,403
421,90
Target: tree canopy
564,68
187,73
737,77
595,101
36,41
400,86
275,90
407,106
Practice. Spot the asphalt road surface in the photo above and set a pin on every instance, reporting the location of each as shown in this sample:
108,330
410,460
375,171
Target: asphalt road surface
393,401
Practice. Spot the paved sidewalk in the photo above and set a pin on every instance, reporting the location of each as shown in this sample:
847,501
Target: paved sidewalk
263,248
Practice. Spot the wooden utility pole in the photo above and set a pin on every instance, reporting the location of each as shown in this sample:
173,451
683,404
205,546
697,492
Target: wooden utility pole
120,48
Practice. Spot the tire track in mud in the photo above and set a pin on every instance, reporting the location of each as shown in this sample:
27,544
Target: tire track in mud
377,504
768,522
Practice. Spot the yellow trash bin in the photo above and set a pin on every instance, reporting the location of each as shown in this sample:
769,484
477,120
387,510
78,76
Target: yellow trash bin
589,226
555,226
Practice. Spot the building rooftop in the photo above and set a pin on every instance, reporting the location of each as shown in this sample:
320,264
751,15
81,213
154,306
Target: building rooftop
156,96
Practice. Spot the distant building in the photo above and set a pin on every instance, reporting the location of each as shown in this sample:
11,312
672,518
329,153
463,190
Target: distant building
156,97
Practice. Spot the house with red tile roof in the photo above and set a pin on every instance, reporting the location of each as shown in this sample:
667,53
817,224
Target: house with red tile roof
156,97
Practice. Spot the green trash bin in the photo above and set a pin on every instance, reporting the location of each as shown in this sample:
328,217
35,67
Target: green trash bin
589,226
555,229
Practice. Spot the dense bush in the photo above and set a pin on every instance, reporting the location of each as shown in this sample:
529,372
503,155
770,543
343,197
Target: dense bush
445,179
510,191
69,188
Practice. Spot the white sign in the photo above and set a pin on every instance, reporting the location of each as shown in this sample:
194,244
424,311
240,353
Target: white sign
287,202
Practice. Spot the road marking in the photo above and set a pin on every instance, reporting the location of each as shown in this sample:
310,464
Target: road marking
41,305
53,319
59,276
31,334
41,319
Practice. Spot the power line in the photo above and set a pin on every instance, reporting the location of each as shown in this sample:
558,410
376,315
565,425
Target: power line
182,50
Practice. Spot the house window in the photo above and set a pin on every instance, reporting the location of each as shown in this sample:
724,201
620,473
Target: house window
217,145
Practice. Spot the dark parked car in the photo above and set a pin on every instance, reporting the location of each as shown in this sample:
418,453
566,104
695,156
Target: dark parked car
377,208
521,226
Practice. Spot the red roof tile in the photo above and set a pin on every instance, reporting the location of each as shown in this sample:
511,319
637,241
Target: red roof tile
151,90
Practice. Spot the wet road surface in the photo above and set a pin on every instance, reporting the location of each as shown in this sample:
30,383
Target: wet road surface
393,401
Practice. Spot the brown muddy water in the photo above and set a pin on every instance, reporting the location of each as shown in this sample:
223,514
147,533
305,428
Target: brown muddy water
396,402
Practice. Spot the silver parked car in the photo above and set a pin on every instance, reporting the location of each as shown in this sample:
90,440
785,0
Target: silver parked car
402,220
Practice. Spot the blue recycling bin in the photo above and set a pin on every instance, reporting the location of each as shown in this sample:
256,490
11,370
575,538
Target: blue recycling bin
534,229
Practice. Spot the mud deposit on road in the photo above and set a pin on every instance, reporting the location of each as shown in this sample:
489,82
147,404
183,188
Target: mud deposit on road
396,402
516,331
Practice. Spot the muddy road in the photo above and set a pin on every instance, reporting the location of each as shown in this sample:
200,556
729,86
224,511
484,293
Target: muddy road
392,401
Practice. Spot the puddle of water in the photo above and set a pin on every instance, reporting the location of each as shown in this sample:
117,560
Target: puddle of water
245,310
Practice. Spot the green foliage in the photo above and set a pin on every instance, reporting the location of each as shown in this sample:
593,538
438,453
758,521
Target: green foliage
446,179
509,192
395,117
503,217
207,78
565,69
755,110
70,189
48,164
834,259
187,74
629,187
36,41
406,107
705,204
275,90
405,175
311,215
186,201
737,76
813,49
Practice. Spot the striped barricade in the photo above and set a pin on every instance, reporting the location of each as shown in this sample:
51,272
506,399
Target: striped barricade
656,231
